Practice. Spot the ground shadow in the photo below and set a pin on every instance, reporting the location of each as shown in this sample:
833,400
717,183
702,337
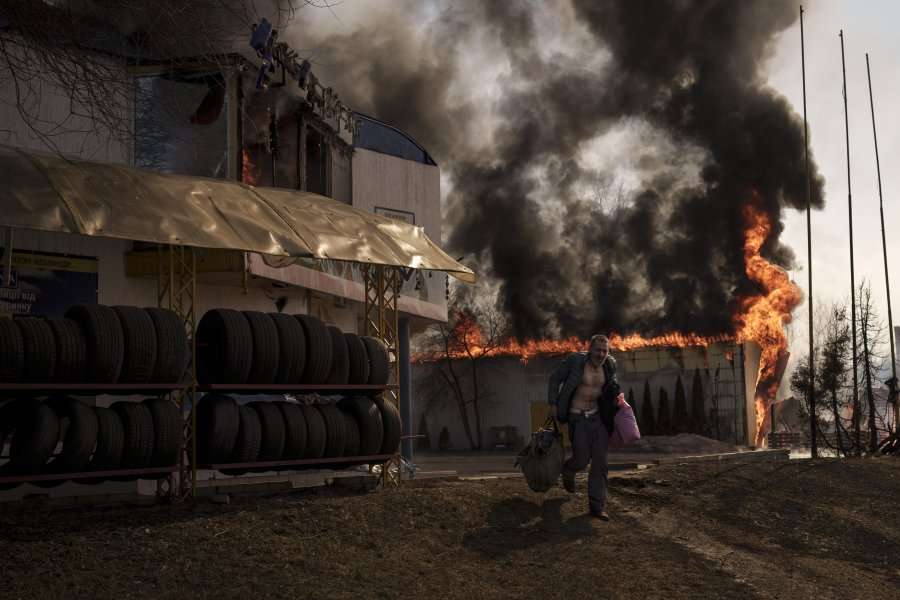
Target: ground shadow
33,522
519,523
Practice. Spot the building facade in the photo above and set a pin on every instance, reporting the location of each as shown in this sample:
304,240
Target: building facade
211,120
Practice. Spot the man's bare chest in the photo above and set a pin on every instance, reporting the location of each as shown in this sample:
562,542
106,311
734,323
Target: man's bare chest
593,376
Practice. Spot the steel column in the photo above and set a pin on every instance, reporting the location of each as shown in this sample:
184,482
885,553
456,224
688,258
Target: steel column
382,293
177,291
406,408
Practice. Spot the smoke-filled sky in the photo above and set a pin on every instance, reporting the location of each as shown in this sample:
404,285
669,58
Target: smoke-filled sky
595,155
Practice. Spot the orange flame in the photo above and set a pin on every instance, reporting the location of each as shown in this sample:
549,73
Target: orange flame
760,320
763,316
250,173
466,340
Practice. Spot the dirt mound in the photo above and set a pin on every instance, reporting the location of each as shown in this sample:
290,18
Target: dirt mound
683,443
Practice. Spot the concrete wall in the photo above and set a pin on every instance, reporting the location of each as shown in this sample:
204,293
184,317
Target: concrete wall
384,181
404,188
509,387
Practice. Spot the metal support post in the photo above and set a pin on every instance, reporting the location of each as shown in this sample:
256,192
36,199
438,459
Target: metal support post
382,293
177,291
406,408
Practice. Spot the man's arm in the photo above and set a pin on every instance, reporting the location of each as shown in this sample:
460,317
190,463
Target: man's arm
611,371
557,377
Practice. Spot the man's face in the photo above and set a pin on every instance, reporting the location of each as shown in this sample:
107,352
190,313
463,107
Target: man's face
599,350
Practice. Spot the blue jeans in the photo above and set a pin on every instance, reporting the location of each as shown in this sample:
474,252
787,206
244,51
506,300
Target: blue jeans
590,444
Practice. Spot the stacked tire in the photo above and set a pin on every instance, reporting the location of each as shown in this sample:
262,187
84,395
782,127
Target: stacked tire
95,344
62,435
229,433
251,347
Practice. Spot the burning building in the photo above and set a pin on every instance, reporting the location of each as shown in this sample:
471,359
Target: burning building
743,369
677,95
514,392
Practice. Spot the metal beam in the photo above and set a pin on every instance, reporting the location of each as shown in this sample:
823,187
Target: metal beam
382,292
406,407
177,291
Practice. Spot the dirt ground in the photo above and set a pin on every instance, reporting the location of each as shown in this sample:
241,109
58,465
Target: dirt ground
798,529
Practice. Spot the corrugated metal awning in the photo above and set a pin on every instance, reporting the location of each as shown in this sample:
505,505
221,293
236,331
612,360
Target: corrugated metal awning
50,193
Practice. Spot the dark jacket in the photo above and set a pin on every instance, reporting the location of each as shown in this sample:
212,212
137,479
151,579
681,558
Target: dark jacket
567,376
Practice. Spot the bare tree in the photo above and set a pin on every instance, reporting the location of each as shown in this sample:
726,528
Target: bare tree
872,362
457,349
84,48
840,420
832,369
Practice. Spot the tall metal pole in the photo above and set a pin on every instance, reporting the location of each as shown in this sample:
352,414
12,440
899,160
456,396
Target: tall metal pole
892,384
813,424
856,407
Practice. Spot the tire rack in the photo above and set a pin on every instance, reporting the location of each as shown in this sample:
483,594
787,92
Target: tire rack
90,389
177,291
382,290
250,388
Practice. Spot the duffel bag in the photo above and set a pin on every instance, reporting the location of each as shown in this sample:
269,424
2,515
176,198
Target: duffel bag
541,460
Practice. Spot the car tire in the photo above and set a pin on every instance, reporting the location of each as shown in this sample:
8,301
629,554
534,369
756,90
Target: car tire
139,360
104,340
172,346
224,347
218,424
264,364
40,350
340,358
294,431
292,348
359,360
316,433
318,350
379,363
368,417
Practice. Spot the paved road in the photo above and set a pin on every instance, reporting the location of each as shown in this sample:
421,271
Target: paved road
475,463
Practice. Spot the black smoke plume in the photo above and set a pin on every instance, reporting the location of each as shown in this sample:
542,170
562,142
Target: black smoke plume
666,256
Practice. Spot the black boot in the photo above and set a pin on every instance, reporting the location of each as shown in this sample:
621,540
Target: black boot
568,478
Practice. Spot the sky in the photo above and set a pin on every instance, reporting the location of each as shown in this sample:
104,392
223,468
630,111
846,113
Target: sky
868,27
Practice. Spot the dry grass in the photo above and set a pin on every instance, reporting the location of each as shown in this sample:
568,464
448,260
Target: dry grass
790,530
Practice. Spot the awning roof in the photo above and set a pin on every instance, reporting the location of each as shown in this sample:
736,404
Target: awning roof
50,193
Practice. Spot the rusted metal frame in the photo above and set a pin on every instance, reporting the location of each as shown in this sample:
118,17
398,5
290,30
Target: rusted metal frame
393,283
177,291
88,389
89,475
305,461
372,324
382,293
249,388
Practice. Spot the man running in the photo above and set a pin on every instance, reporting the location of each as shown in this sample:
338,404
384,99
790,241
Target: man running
584,391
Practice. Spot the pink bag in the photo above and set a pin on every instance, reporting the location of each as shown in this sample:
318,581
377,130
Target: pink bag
626,428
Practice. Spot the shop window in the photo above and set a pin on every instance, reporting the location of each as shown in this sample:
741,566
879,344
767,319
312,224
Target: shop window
181,124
